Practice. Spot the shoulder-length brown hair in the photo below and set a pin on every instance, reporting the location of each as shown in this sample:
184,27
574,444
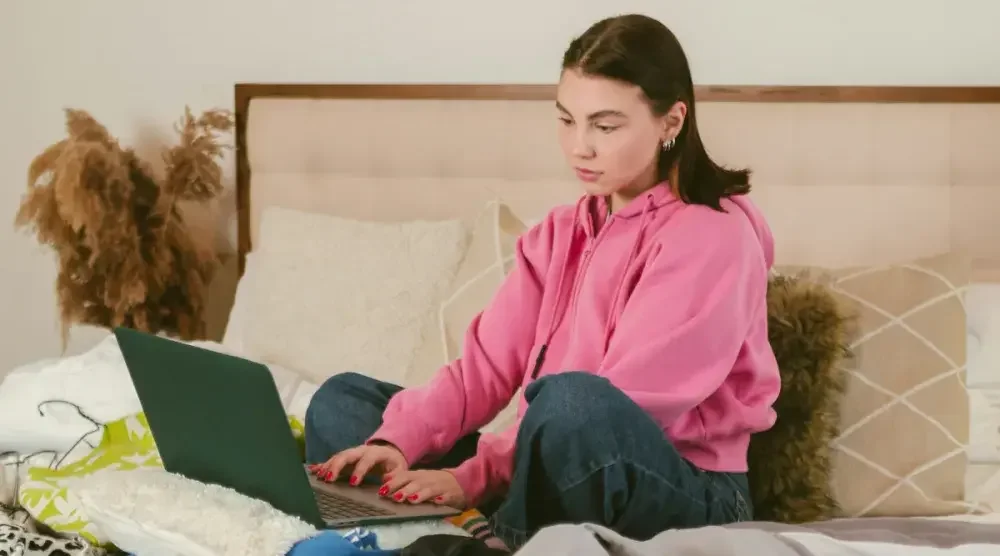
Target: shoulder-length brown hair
642,51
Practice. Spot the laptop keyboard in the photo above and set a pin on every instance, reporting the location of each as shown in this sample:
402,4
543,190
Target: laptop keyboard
333,507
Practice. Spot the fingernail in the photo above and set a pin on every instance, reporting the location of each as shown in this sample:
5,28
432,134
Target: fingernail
354,480
383,491
328,476
413,497
399,496
439,499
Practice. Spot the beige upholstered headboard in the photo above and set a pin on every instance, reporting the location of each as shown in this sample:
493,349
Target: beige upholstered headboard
846,175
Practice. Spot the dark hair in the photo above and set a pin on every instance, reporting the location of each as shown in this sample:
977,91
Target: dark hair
640,50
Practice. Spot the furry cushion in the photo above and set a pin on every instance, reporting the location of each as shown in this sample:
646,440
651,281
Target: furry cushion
790,464
156,513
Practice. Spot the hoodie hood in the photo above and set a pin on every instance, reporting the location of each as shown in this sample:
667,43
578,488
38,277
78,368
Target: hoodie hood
758,223
594,208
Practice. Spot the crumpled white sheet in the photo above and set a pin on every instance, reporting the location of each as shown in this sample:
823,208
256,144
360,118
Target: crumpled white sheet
96,381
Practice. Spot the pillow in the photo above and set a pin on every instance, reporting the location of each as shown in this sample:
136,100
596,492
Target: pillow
790,464
232,337
485,263
905,411
332,294
126,444
484,267
151,511
982,483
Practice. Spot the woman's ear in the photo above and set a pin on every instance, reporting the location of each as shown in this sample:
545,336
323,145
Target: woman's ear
673,120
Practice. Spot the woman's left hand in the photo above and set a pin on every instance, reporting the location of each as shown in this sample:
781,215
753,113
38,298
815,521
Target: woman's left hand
414,487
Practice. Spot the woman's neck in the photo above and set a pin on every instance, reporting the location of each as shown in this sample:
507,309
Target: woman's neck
617,200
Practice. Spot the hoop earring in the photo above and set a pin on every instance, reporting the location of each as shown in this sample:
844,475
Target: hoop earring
669,144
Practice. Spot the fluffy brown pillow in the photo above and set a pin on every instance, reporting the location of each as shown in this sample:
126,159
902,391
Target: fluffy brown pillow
790,464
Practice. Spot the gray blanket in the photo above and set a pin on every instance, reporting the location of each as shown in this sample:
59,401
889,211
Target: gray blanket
842,537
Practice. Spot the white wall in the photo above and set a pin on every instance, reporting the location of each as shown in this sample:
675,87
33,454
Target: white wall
136,69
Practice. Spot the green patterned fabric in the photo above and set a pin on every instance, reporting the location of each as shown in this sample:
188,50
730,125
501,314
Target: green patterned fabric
126,444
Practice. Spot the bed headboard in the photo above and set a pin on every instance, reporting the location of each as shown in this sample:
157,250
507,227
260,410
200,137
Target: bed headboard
846,175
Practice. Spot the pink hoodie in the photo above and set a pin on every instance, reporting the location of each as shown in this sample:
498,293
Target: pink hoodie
664,299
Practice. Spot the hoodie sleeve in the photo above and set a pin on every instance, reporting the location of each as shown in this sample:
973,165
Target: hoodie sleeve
688,318
489,471
468,393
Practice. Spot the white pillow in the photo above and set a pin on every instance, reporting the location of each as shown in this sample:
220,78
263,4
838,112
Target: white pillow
232,338
982,377
331,294
156,513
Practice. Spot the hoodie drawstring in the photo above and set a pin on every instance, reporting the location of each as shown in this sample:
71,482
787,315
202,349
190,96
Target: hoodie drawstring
556,318
643,221
561,311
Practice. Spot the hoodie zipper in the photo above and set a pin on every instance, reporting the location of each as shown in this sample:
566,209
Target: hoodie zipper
587,255
539,360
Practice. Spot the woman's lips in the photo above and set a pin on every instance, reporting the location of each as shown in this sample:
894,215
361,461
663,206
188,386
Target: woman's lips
587,175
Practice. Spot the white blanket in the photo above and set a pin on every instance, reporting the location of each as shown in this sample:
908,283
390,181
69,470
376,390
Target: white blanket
841,537
51,405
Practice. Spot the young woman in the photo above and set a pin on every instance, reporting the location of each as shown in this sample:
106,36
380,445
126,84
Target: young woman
636,320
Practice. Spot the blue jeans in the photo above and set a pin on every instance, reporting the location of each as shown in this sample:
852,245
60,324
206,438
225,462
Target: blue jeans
585,452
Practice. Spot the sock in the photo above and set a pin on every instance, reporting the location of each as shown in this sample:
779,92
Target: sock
475,524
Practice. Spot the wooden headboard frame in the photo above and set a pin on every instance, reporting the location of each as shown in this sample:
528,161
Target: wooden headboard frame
245,92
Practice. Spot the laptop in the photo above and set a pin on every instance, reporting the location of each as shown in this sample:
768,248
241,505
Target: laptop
219,419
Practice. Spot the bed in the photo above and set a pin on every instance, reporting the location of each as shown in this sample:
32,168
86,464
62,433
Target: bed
874,183
858,178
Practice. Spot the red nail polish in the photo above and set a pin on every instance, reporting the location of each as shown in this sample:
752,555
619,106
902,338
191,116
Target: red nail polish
413,497
329,475
354,481
399,496
383,491
439,499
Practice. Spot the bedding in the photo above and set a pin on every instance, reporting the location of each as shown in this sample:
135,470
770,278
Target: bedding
336,295
907,374
55,405
90,419
492,233
52,405
127,444
790,465
151,511
17,540
884,536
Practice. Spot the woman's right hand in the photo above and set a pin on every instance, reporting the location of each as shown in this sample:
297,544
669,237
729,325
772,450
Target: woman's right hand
359,461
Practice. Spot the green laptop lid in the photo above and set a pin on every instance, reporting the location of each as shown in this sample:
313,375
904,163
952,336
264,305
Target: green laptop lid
218,419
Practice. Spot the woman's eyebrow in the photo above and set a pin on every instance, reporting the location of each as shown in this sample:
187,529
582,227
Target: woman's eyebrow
595,115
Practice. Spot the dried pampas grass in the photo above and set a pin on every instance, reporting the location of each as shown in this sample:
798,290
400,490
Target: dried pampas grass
126,257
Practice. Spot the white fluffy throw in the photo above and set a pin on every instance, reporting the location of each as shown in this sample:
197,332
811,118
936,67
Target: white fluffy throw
151,512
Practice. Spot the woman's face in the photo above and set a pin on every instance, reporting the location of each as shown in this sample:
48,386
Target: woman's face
608,133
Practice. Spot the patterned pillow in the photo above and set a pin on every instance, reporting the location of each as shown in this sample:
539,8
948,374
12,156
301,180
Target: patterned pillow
905,412
484,267
127,444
